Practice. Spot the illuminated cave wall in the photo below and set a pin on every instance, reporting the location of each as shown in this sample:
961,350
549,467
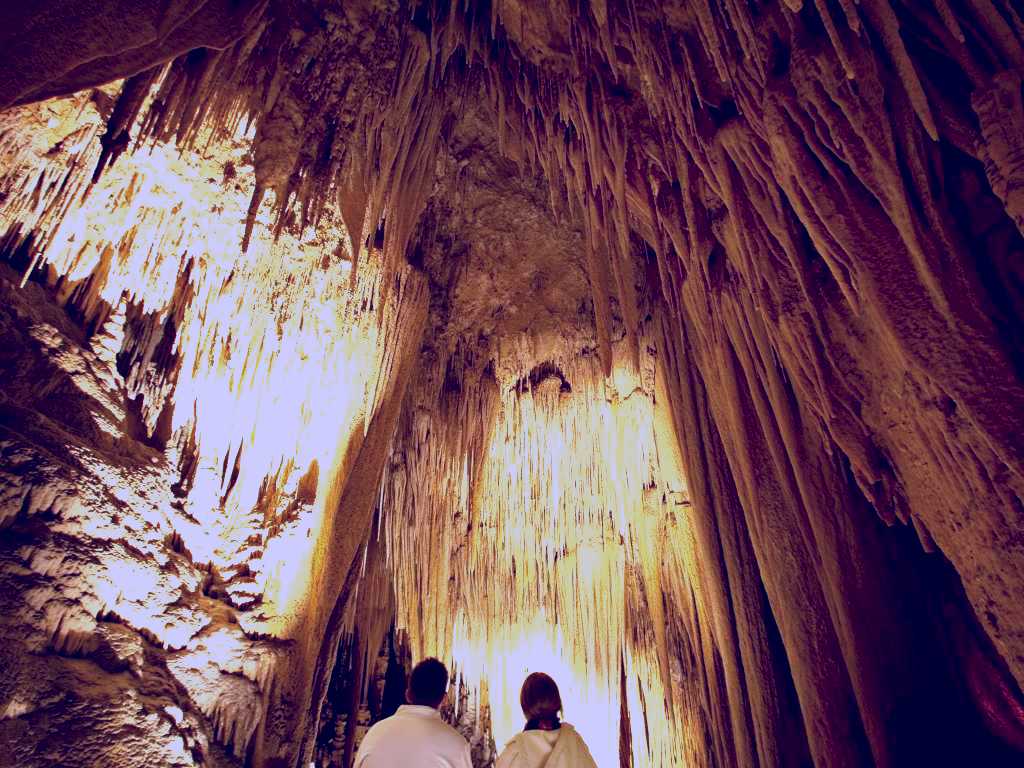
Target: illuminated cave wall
545,518
185,437
671,347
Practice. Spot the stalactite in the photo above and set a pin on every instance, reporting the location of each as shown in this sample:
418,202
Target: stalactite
547,529
260,461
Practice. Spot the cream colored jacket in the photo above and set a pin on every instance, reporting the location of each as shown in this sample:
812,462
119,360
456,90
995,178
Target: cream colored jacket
563,748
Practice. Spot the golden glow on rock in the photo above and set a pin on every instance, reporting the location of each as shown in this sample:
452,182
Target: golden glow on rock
277,350
523,525
538,645
533,548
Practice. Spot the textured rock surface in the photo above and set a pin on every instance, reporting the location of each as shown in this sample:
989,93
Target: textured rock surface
116,649
729,293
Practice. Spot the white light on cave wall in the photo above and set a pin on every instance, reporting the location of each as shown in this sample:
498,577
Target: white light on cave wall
538,645
569,523
279,367
278,354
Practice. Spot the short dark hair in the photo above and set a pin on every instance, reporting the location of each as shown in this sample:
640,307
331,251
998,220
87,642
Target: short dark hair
540,698
428,683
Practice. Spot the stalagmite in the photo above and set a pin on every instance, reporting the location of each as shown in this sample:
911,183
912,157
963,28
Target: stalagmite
673,349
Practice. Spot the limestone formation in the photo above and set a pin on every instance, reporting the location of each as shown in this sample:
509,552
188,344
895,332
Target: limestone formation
674,349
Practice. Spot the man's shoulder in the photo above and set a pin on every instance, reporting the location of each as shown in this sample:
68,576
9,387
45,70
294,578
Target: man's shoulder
382,727
384,723
436,727
416,730
450,732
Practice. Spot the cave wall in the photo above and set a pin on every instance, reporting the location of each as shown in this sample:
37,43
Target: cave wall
840,320
533,551
807,215
187,426
117,645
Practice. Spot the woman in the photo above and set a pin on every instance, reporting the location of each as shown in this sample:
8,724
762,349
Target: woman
545,742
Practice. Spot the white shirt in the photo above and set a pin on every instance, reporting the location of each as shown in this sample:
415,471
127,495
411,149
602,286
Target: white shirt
563,748
413,737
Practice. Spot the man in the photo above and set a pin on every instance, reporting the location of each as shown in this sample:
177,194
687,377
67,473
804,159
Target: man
416,736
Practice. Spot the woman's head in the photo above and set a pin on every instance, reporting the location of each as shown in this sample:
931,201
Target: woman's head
539,698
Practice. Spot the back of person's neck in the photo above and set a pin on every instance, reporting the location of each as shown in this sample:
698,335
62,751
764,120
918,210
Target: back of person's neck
543,724
424,709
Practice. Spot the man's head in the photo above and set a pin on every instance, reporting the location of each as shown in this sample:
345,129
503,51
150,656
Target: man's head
428,684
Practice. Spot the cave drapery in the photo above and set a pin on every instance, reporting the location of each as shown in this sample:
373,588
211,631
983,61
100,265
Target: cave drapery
674,348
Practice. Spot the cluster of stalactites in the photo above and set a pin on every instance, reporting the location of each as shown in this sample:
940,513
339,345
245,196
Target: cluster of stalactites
330,128
618,107
333,126
253,367
511,513
615,121
630,132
